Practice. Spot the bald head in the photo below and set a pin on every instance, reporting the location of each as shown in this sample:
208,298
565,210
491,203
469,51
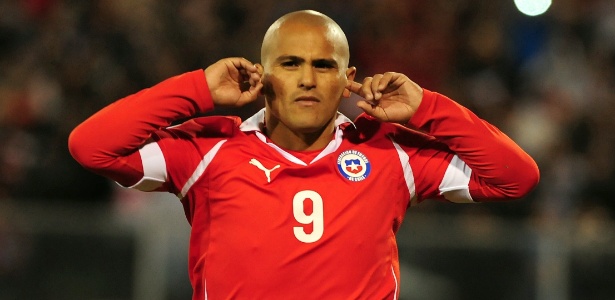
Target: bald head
305,20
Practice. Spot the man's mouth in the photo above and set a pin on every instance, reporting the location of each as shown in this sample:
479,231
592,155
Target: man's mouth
307,100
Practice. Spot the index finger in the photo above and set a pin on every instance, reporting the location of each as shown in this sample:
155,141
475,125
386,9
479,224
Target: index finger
355,87
242,63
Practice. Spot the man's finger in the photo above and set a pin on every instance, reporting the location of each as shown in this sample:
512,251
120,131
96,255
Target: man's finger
385,81
357,89
366,89
354,87
242,63
374,86
255,78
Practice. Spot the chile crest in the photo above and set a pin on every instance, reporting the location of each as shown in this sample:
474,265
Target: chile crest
353,165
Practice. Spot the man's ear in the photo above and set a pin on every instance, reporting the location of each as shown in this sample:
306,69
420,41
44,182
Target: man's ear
259,68
350,73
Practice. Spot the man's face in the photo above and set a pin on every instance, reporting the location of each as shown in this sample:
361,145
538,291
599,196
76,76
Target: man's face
305,76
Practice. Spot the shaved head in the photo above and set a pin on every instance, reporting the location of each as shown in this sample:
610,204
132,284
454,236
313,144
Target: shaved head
305,20
304,67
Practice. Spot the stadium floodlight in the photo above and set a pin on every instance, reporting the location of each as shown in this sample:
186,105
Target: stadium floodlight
533,7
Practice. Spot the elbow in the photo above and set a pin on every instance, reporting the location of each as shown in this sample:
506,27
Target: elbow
80,148
514,183
75,147
527,180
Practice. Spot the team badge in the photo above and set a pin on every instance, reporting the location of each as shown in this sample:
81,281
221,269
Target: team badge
353,165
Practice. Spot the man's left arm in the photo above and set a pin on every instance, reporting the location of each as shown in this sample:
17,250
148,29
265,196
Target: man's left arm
499,167
496,166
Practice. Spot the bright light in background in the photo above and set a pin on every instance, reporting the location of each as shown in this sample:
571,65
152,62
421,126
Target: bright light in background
533,7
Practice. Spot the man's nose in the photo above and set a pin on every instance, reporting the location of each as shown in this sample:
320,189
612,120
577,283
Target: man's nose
307,78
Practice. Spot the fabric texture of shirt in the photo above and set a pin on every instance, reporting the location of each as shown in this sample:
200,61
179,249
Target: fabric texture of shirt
268,225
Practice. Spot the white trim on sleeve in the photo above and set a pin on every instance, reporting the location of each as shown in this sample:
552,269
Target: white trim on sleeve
154,168
456,180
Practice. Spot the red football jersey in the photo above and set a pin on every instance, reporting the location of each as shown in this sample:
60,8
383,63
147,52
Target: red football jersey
266,224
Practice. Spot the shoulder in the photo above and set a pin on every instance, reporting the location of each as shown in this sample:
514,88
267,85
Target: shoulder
367,128
206,127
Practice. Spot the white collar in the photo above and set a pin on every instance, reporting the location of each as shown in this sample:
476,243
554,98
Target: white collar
257,121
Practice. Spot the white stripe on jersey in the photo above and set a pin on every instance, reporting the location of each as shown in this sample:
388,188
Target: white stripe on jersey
200,169
394,278
154,168
331,147
286,155
404,159
454,185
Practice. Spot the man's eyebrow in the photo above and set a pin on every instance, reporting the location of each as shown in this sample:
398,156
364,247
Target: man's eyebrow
290,58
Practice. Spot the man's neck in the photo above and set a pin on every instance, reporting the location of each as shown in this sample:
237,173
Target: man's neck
300,141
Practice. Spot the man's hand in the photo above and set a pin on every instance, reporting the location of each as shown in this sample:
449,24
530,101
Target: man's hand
226,77
389,97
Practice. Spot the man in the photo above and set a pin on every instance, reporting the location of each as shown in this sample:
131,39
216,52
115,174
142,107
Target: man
298,202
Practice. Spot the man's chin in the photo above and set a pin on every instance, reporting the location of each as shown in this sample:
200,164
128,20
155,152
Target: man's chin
309,127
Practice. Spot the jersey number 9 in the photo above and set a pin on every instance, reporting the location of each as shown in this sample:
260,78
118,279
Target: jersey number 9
315,218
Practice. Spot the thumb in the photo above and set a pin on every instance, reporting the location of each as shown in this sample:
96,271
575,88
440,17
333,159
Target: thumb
250,94
368,108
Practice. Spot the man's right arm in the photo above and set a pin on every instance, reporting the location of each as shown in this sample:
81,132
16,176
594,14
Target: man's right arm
107,143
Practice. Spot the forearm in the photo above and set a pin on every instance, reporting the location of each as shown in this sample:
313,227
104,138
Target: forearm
502,169
100,142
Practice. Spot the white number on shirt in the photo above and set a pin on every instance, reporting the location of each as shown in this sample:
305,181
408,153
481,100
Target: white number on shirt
315,217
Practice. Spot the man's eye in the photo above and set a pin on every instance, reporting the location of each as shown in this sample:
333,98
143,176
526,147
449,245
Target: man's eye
323,66
290,64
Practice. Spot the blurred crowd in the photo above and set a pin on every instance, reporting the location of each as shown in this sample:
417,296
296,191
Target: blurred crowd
547,81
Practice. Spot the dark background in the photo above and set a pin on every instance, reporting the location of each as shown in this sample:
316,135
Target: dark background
547,81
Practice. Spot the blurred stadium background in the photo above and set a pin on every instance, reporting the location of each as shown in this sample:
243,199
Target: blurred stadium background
548,81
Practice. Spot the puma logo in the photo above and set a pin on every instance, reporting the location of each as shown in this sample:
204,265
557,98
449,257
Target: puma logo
261,167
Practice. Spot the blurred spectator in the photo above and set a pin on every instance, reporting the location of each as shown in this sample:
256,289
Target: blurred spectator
547,80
